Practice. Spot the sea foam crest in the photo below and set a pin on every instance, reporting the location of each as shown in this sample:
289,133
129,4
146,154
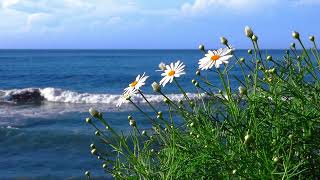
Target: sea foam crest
67,96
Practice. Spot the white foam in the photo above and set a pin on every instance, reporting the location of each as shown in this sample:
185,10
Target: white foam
67,96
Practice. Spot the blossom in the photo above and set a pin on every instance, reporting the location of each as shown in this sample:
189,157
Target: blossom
215,58
248,31
123,99
172,71
136,84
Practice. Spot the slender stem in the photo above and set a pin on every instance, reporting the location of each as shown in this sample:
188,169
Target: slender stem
152,120
154,109
181,89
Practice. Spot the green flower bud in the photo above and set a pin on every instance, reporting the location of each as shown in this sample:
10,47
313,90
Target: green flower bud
166,100
94,151
220,92
242,90
156,87
191,133
144,133
92,146
293,45
255,38
88,120
260,68
242,60
197,84
311,38
193,81
258,61
132,123
130,117
99,157
191,124
198,72
275,159
152,150
97,133
94,113
201,47
247,139
224,41
290,136
205,146
107,127
87,173
248,31
198,136
234,171
269,58
249,51
295,35
104,166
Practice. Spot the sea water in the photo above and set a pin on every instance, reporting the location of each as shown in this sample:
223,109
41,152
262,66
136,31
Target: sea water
50,139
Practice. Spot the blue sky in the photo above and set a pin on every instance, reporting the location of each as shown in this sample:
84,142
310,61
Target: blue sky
141,24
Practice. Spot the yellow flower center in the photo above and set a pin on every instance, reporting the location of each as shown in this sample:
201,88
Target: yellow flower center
171,73
215,57
133,84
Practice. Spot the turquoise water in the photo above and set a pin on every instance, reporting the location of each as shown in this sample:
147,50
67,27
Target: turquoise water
49,139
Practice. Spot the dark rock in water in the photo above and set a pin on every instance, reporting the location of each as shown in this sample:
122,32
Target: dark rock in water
27,96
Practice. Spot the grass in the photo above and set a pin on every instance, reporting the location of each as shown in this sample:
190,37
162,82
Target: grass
266,129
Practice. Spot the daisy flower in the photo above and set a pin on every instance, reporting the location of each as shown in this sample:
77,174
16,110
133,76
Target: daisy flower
172,71
216,58
162,67
136,84
123,99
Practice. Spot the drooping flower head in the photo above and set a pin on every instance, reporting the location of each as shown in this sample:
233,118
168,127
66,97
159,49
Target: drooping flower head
135,85
216,58
123,99
172,71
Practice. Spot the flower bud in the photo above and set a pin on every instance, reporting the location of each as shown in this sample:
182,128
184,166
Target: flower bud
94,113
275,159
191,124
258,61
193,81
201,47
242,90
156,87
242,60
295,35
249,51
97,133
88,120
220,92
260,68
271,71
247,139
198,72
224,41
92,146
198,136
196,84
205,146
152,150
269,80
104,166
132,123
255,38
248,31
311,38
94,151
87,173
166,100
290,136
162,66
191,133
130,117
144,133
99,157
234,171
293,45
107,127
269,58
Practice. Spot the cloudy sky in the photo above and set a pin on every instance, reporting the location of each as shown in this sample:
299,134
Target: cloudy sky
165,24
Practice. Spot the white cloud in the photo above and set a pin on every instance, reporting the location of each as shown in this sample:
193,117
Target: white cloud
211,6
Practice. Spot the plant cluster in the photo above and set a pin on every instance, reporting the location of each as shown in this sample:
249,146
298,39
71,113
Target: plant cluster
268,128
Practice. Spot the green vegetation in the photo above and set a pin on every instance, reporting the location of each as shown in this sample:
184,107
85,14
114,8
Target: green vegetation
269,128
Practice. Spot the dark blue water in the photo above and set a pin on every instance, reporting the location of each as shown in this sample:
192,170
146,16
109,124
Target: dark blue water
50,140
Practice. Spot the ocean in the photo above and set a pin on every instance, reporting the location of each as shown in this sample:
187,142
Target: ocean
47,137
